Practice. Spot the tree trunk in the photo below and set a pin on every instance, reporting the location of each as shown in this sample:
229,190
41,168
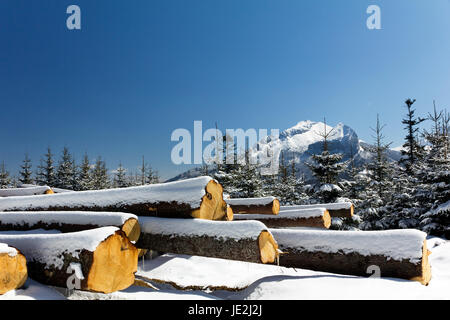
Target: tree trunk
336,210
70,221
394,253
103,260
243,240
13,269
200,197
312,218
267,205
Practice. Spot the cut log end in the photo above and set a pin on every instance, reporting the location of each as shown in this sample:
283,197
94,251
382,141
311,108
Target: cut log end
268,247
425,277
13,272
230,215
212,207
49,191
114,264
275,206
132,229
326,219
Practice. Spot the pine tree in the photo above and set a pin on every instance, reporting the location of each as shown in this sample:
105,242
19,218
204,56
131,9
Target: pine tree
326,168
434,177
152,175
5,180
413,150
48,171
84,175
25,172
100,179
120,178
65,174
379,186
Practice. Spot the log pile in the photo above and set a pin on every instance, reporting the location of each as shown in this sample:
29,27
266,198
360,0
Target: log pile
28,191
395,253
266,205
311,218
200,197
241,240
70,221
13,268
103,260
336,210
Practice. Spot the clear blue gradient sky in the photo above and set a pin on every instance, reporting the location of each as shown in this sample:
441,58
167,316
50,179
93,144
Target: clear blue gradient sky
140,69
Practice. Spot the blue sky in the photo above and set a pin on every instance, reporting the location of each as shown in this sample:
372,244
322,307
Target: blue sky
139,69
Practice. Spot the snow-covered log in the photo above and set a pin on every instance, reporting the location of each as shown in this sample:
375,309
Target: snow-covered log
336,210
238,240
313,218
70,221
394,253
13,268
101,260
200,197
29,191
265,205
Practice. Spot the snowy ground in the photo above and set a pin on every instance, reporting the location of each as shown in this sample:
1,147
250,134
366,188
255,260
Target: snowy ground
209,278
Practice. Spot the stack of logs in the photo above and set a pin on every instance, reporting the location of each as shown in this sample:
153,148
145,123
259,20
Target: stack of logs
107,263
101,233
301,232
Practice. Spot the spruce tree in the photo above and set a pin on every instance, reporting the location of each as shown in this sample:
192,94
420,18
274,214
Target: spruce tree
120,178
379,186
25,172
412,149
100,179
84,175
48,172
326,168
5,180
434,177
65,174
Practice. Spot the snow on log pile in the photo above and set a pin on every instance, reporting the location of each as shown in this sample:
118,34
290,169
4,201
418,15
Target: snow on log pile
103,259
313,218
28,191
397,253
238,240
336,210
200,197
70,221
13,268
265,205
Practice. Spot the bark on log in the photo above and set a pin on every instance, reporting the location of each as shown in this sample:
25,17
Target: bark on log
105,257
266,205
28,191
336,210
70,221
243,240
200,197
13,269
312,218
397,253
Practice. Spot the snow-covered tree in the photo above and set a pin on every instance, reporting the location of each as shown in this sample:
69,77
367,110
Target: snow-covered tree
433,174
5,180
84,181
65,173
378,178
25,171
326,168
120,177
413,151
100,178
